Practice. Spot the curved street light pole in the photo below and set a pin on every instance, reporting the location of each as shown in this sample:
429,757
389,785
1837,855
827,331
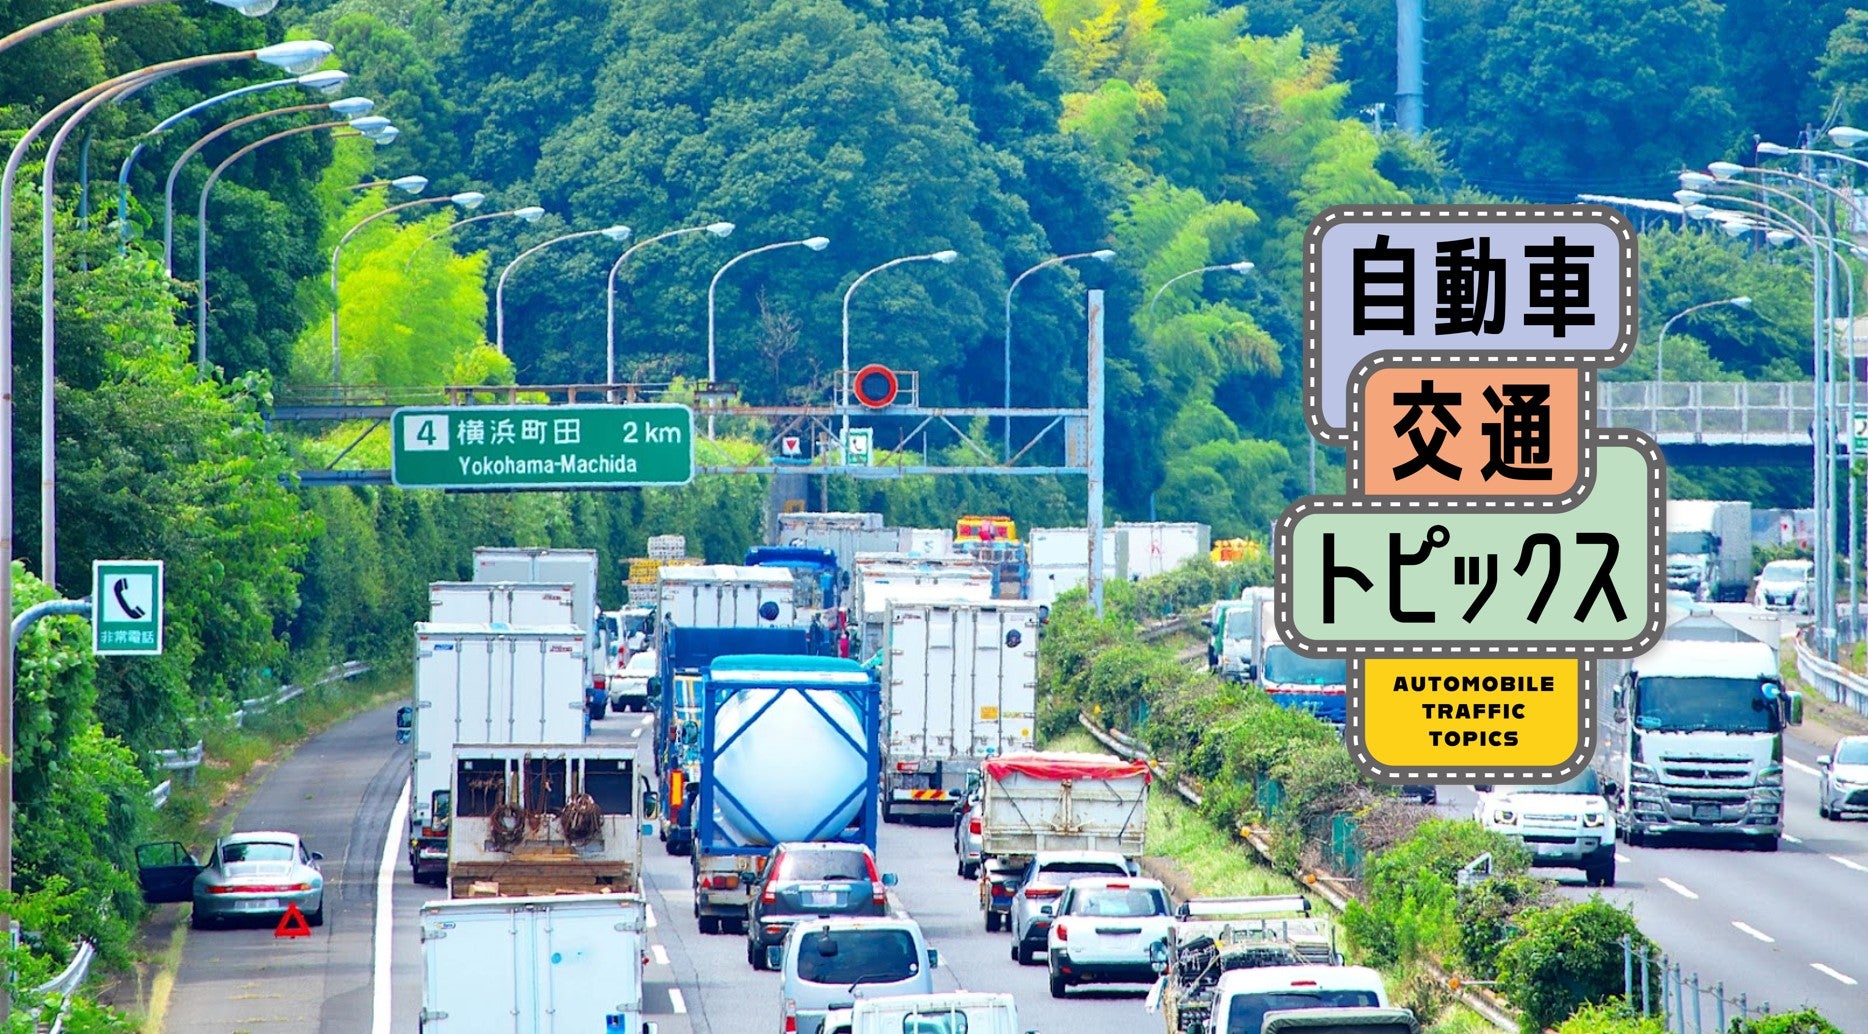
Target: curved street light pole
468,200
530,214
348,107
201,220
813,243
1660,351
717,229
843,390
325,81
1103,255
1237,267
250,8
617,232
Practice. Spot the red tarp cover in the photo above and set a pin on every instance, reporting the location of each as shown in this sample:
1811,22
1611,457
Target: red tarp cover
1064,765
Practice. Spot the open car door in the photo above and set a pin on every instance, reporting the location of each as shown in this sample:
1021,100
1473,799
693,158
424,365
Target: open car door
166,872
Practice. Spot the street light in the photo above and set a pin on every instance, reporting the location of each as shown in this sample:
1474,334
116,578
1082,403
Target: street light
371,127
327,81
843,391
406,184
813,243
250,8
1101,255
1660,352
468,200
717,229
618,232
349,107
1237,267
1848,136
288,54
530,214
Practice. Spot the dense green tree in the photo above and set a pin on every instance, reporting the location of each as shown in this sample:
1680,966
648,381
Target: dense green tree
1565,957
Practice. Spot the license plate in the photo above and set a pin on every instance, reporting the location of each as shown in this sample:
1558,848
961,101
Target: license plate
823,899
1546,848
262,905
1705,811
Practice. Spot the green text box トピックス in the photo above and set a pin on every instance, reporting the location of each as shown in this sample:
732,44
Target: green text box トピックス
542,447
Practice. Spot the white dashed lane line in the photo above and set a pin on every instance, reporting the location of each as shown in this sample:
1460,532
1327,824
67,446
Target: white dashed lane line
650,921
1755,932
1850,862
679,1005
1677,889
659,953
1828,972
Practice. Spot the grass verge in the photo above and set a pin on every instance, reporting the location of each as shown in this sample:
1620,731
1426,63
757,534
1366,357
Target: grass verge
1195,858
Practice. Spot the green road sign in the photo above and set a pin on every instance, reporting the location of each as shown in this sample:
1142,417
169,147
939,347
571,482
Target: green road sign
1860,437
542,447
126,606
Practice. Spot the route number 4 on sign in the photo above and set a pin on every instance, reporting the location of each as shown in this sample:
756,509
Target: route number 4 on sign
126,607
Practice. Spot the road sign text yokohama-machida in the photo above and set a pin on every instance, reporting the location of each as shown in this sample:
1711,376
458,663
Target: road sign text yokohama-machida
542,447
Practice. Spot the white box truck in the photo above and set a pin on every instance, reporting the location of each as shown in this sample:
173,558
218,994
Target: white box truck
478,684
1154,548
960,684
728,596
1709,548
578,567
543,965
880,584
518,604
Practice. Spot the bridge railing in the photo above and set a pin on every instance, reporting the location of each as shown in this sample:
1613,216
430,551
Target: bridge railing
1713,412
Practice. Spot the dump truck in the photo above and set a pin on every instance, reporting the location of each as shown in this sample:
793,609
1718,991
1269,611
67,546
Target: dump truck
535,819
960,684
482,684
1033,801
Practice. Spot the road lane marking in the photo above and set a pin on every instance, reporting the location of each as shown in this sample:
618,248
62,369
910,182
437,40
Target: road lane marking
1788,839
1755,932
1850,862
680,1004
650,910
386,913
1800,766
1826,971
660,953
633,733
1677,889
1622,858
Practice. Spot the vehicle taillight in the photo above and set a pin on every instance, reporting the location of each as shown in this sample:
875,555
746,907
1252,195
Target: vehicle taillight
260,888
1303,983
791,1016
601,681
904,766
1043,892
879,893
972,825
1116,886
770,895
1062,931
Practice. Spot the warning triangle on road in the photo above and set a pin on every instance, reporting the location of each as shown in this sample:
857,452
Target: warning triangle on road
292,924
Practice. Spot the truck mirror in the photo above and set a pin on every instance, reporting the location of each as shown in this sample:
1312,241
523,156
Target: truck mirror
1822,761
1795,701
651,804
889,879
1611,788
1482,787
774,957
933,958
405,717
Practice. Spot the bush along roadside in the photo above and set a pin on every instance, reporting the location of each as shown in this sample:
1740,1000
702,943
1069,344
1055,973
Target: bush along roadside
1286,776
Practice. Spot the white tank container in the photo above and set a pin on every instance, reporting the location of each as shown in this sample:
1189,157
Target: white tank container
791,767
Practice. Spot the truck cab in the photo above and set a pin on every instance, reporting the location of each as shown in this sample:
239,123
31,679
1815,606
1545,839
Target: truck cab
1698,744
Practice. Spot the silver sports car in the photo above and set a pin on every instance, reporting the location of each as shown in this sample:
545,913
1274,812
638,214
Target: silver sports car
258,874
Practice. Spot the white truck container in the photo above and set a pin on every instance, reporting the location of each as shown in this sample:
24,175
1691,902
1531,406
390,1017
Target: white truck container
518,604
728,596
1152,548
1709,548
567,964
877,584
479,684
960,684
845,534
578,567
1060,560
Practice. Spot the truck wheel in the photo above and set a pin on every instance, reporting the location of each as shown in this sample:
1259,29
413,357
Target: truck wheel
992,921
597,709
1633,837
709,924
733,925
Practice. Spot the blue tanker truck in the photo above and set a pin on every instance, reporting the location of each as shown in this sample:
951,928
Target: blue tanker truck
789,751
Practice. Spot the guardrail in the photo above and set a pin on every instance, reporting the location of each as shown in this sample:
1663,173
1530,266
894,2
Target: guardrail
1833,680
67,983
1485,1004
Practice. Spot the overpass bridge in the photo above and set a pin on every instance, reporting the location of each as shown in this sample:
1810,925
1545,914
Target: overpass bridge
1730,423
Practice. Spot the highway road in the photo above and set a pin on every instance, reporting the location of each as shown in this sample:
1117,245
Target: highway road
1790,928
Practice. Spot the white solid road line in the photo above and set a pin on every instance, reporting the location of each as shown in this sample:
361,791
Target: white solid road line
1755,932
1799,766
660,953
386,914
1826,971
1677,889
680,1004
1850,862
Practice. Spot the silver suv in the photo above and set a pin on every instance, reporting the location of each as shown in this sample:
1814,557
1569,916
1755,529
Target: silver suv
1044,883
829,963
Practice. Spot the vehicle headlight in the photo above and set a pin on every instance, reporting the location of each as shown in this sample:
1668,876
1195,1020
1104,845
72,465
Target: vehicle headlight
1594,819
1505,817
1771,775
1639,773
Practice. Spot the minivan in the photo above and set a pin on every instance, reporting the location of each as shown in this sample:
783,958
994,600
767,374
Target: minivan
828,963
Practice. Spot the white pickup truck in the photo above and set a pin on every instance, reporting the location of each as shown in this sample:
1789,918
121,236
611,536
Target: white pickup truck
1565,825
951,1012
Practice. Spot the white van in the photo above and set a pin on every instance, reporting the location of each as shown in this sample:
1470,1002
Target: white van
1244,996
830,963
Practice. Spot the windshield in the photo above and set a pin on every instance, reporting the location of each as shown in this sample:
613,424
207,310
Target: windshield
1690,542
844,957
824,865
258,851
947,1022
1285,666
1785,571
1125,903
1702,704
1852,752
1247,1015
